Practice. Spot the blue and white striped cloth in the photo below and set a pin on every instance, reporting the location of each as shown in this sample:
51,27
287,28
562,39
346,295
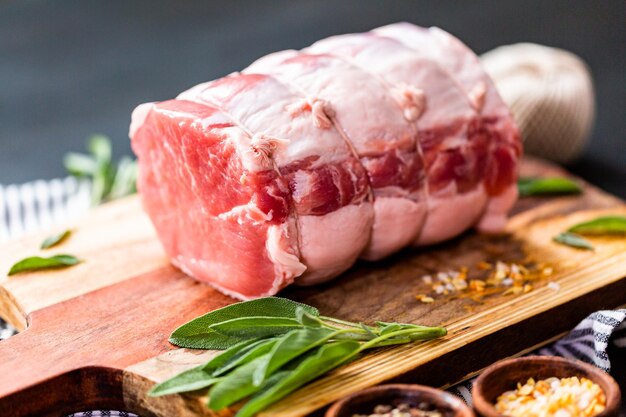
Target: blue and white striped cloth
40,205
44,204
588,342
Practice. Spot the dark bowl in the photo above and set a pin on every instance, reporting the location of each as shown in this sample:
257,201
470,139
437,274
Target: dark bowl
363,402
504,375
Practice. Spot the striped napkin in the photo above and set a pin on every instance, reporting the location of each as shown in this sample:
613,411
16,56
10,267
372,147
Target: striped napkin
40,205
588,342
44,204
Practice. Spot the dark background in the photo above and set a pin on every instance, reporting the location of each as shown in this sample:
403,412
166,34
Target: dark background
72,68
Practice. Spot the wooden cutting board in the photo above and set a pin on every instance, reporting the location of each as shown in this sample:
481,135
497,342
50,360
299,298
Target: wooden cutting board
96,334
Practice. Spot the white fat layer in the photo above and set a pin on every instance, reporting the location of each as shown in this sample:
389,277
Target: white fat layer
495,216
404,68
450,215
287,265
397,222
353,96
139,117
269,107
454,56
266,63
192,93
330,244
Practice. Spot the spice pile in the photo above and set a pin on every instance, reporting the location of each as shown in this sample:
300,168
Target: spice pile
553,397
486,279
405,410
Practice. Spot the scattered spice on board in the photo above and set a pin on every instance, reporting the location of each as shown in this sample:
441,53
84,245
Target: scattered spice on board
553,397
486,279
424,298
423,409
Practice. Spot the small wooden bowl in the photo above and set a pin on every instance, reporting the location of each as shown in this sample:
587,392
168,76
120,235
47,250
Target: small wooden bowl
504,375
363,402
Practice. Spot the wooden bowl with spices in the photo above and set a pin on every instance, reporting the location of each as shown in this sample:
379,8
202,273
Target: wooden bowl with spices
399,400
541,385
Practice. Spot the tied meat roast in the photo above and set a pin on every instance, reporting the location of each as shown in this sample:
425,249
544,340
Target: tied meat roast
304,162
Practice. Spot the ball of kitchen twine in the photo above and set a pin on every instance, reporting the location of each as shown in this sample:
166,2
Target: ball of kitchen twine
550,93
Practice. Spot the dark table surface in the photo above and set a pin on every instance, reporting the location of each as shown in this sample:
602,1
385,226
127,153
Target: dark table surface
72,68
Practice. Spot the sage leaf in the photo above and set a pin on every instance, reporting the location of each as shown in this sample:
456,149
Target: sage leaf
390,328
108,180
605,225
79,165
547,186
100,147
246,355
368,330
100,185
125,181
259,326
35,263
275,378
306,319
221,359
235,386
573,240
326,358
190,380
290,346
200,376
199,337
55,239
196,333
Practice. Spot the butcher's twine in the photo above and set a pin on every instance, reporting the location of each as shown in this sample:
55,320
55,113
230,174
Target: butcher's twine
550,93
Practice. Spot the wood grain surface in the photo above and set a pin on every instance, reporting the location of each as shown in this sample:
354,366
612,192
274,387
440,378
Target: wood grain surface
96,334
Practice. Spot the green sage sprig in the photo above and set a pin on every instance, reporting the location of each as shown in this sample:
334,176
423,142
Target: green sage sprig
272,346
109,181
600,226
36,263
573,240
56,239
547,186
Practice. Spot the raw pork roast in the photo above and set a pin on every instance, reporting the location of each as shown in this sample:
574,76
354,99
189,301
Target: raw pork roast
354,147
